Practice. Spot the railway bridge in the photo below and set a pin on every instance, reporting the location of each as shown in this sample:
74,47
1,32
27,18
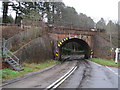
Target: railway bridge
61,35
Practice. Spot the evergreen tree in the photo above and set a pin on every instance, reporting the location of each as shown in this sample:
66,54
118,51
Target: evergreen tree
101,24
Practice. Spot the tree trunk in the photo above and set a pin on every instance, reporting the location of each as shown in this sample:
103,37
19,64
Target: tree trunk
16,17
5,11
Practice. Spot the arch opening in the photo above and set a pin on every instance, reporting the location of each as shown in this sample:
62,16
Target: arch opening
74,46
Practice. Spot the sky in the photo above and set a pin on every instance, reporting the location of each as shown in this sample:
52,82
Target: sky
96,9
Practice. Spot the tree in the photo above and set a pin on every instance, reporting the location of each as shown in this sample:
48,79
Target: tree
33,15
10,19
53,12
1,19
101,24
69,16
85,21
6,18
57,10
24,8
111,27
5,11
90,22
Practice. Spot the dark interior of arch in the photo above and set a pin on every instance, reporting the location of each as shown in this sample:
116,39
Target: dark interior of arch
82,43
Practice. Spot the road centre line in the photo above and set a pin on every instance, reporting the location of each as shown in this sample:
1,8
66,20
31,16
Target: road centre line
64,78
61,80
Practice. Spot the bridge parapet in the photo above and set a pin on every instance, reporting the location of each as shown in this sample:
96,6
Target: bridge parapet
71,30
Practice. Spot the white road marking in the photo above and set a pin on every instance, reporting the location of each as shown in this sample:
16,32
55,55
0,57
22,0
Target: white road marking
61,80
107,68
96,63
112,71
64,78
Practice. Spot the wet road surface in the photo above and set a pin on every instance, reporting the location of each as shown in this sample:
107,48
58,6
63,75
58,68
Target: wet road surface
92,75
87,75
42,80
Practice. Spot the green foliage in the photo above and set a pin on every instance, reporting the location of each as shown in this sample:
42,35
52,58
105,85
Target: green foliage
52,12
85,21
9,74
111,28
105,62
101,24
66,51
9,19
77,52
69,16
33,15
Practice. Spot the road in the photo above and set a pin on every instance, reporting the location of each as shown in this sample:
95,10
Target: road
92,75
42,80
87,75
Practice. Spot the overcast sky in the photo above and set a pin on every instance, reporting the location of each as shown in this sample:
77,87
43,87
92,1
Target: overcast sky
108,9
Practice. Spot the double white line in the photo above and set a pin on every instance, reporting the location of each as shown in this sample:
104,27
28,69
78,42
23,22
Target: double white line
61,80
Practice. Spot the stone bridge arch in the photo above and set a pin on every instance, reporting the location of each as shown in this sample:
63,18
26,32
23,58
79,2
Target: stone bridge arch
60,35
64,41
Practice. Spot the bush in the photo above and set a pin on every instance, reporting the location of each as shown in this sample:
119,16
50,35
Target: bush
9,31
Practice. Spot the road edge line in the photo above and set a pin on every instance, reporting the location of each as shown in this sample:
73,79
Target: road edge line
112,71
95,63
107,68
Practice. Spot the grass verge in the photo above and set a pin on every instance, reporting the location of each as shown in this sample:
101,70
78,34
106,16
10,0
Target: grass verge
104,62
9,73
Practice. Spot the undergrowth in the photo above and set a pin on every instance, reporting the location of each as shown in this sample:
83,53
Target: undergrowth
8,73
104,62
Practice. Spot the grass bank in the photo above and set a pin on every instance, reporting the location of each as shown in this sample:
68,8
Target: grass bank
9,74
104,62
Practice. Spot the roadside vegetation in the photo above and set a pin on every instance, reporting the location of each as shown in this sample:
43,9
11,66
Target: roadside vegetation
104,62
8,73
